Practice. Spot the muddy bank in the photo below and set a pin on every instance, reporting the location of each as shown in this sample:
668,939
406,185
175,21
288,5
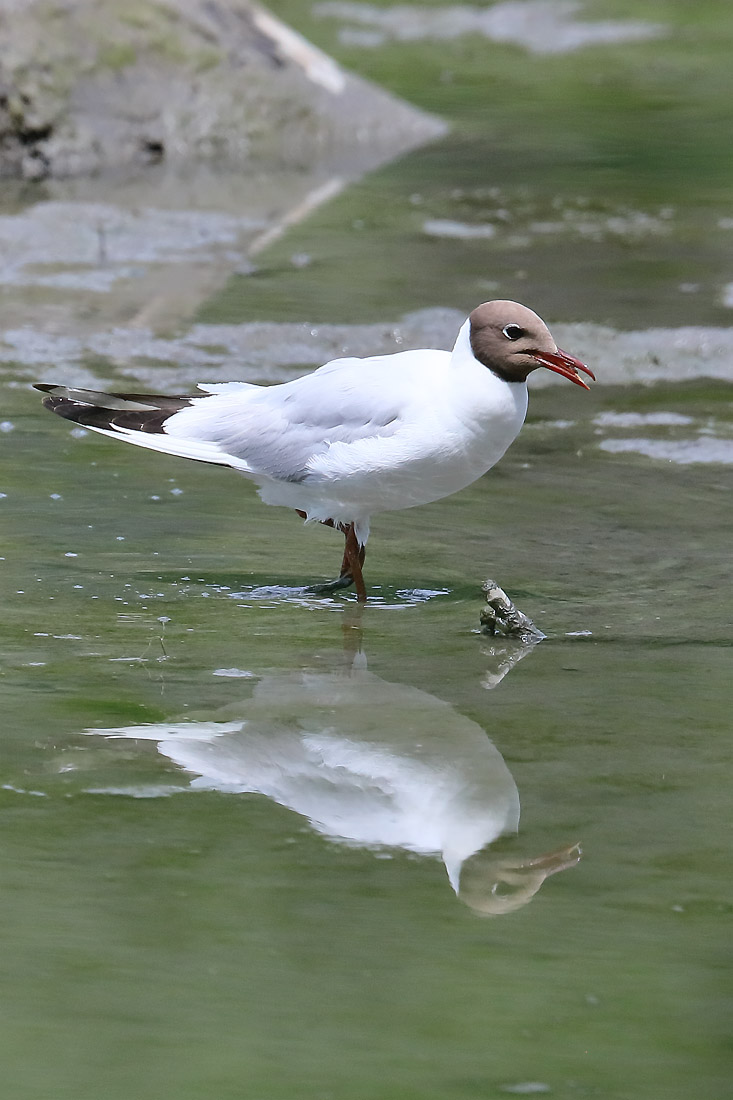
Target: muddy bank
275,351
539,26
141,250
104,83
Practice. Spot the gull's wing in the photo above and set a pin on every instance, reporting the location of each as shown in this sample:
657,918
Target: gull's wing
276,432
279,431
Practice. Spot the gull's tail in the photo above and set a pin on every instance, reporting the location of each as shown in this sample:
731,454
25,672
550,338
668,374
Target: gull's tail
138,418
112,412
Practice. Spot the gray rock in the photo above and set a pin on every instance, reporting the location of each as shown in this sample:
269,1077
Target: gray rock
97,84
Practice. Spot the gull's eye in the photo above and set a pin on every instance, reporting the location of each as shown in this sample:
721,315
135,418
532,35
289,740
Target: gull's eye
513,332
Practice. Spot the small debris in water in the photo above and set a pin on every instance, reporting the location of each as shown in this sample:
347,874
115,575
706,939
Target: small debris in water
527,1088
151,791
683,452
638,420
500,616
439,227
22,790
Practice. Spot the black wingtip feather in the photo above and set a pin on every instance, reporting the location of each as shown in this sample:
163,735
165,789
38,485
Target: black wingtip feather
91,411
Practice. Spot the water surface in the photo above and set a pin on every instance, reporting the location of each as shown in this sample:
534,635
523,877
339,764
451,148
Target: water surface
258,844
227,937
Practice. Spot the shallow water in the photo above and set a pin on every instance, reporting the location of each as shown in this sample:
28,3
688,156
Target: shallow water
171,931
262,844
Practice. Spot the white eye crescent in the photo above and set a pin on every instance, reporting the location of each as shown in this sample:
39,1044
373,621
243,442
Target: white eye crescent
513,332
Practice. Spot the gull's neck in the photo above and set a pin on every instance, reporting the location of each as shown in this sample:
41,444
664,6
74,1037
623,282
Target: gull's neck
462,354
462,349
462,358
484,396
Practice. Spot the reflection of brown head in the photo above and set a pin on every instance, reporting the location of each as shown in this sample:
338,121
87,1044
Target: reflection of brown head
493,887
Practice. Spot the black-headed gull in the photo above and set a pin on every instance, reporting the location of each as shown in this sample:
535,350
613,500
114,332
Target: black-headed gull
356,436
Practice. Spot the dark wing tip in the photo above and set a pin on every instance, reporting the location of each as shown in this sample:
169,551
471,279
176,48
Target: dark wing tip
110,411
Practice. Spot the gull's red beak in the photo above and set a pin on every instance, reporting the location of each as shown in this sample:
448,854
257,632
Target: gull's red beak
566,365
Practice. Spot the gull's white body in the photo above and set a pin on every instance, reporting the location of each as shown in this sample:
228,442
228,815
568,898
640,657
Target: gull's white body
356,436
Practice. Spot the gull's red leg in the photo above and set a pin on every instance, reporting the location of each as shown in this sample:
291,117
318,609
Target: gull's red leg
354,555
346,577
345,563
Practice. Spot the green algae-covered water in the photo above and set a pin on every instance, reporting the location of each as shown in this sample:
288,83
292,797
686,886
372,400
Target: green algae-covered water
258,844
237,884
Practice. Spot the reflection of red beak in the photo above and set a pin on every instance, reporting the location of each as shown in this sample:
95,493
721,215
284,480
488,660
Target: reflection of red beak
566,365
552,862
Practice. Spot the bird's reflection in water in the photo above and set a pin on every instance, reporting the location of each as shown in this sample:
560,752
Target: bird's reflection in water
370,763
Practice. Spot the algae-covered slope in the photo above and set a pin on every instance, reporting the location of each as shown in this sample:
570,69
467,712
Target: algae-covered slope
102,83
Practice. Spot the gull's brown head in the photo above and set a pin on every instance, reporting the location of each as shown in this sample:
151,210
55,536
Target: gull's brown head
512,341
